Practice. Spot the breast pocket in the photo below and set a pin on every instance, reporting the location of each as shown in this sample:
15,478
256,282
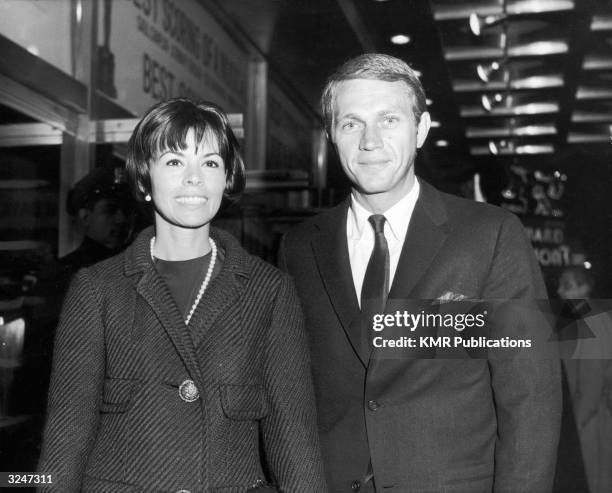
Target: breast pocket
118,395
244,402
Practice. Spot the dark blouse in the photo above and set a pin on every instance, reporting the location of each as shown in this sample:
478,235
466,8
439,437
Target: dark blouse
184,277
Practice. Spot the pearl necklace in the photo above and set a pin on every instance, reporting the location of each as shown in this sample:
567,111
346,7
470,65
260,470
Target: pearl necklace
209,273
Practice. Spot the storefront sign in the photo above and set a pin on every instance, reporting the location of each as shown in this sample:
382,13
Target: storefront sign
166,48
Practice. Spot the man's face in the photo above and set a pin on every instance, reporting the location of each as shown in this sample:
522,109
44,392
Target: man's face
571,289
376,136
106,223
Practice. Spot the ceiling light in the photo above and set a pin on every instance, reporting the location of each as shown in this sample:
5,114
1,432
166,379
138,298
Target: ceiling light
428,102
400,39
501,147
435,124
489,102
485,71
442,143
478,23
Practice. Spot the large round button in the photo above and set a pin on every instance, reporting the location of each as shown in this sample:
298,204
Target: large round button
355,485
188,391
373,405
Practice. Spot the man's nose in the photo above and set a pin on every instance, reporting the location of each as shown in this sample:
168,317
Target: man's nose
370,138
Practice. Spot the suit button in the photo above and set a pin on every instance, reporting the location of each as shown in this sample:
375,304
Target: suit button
373,405
355,485
188,391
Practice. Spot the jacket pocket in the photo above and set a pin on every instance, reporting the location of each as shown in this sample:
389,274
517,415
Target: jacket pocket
243,402
118,394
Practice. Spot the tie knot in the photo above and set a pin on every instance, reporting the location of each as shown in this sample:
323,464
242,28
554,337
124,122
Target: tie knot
378,222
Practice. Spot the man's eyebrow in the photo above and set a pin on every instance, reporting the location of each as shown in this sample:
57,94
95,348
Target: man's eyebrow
351,116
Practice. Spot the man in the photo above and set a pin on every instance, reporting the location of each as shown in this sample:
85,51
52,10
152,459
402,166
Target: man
100,205
414,425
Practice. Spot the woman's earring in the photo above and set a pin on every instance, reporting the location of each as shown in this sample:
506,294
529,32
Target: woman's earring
148,197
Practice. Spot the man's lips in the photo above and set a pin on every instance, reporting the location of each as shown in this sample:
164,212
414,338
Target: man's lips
373,162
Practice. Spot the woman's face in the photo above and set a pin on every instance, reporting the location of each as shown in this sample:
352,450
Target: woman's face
187,185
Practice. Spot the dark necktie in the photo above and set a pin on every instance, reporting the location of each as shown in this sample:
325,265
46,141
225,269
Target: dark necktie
376,281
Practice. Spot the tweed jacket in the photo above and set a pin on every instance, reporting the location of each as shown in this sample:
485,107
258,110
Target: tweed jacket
140,402
427,425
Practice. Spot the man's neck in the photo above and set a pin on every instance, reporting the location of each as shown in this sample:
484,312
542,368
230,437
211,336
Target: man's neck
379,203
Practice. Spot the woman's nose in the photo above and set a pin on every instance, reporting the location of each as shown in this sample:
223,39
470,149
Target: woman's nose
193,175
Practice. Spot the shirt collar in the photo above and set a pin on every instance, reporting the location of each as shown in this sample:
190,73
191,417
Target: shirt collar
398,216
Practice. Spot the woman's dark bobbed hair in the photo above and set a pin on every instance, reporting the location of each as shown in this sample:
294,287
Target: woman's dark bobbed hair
165,126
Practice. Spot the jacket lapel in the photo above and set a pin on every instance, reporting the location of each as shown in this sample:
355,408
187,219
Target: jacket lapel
224,291
426,234
154,291
331,255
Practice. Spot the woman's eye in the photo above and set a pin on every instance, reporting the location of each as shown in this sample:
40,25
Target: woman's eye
211,164
173,162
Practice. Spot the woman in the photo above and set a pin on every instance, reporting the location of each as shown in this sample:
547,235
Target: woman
181,364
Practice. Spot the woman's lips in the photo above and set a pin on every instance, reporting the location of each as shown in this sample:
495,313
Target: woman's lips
191,199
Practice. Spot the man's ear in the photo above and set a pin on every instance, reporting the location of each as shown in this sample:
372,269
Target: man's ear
423,128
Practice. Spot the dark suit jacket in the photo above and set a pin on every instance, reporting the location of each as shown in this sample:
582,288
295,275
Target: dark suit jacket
116,418
461,425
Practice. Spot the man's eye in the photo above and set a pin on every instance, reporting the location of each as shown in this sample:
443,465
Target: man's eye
349,126
390,121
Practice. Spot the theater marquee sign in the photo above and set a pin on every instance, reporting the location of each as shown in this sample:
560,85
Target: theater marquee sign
165,48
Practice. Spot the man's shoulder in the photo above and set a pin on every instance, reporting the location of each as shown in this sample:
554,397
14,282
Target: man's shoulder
464,210
334,217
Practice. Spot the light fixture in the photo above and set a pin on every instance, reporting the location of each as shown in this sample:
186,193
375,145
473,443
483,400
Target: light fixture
587,265
428,102
489,102
478,23
442,143
485,71
501,147
400,39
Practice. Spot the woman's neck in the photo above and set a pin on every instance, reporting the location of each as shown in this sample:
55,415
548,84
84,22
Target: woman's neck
175,243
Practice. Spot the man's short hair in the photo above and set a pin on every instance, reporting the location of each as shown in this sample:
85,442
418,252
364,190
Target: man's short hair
165,126
374,66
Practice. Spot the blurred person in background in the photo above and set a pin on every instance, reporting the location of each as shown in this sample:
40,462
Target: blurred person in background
589,370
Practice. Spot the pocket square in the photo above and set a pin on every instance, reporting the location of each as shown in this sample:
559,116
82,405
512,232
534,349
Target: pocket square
450,296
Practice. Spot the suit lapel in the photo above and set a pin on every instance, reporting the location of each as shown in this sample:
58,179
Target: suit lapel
426,234
331,255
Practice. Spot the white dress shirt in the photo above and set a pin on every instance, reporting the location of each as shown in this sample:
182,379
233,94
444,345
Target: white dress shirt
360,235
